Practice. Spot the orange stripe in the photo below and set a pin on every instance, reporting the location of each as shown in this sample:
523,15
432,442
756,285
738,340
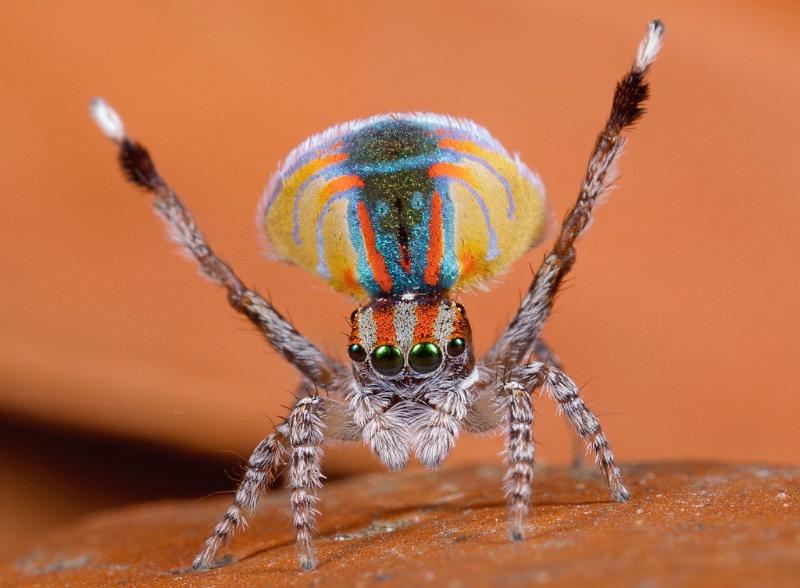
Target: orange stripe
383,316
451,170
468,266
462,146
375,259
340,184
355,331
435,243
349,281
334,157
426,319
321,162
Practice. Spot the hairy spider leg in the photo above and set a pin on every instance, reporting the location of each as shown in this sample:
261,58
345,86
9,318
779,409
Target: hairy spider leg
182,228
631,92
521,335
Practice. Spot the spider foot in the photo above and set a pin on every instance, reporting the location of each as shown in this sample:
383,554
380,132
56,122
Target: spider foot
620,494
516,531
307,557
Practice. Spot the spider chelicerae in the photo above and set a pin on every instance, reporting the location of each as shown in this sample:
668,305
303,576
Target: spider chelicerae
402,211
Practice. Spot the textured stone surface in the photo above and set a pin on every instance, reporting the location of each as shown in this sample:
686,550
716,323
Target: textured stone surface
687,525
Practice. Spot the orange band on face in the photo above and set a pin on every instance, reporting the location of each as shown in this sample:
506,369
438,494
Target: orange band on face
426,319
383,315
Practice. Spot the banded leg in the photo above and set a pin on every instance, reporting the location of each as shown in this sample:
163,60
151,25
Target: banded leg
545,354
515,400
305,432
262,468
564,391
520,336
182,228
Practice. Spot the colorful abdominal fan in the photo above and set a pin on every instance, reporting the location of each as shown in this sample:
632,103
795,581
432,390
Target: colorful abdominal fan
403,203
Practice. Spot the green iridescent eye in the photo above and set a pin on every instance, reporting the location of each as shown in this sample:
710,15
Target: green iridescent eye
387,360
456,346
356,352
425,357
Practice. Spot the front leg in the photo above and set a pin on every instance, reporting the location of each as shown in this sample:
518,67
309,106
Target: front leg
514,400
305,431
182,228
311,420
564,391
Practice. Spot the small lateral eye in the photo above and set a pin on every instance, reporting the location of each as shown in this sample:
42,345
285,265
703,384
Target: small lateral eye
357,352
456,346
424,357
461,309
387,360
353,316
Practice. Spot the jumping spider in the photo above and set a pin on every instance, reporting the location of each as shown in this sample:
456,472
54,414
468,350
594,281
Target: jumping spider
401,211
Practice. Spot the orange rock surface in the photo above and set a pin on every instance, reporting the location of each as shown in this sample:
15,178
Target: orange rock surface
687,525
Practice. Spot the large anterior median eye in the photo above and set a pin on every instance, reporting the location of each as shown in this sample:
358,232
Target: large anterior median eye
387,360
425,357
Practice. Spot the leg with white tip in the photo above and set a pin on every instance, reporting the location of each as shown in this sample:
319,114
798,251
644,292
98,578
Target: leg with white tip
140,169
520,336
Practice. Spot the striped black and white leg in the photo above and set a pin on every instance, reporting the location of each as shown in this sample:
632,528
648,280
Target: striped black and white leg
262,468
514,405
305,431
564,391
545,354
182,227
515,401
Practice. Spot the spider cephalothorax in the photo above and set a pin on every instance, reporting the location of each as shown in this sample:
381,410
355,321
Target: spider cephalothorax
403,211
410,340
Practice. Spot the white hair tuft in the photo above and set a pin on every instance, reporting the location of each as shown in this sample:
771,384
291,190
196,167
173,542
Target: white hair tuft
650,45
107,119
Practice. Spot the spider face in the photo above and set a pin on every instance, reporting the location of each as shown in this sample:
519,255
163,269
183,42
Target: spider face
412,337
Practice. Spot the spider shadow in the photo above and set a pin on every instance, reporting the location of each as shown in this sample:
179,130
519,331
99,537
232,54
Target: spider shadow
358,531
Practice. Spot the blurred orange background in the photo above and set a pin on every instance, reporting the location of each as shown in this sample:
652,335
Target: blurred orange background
680,319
